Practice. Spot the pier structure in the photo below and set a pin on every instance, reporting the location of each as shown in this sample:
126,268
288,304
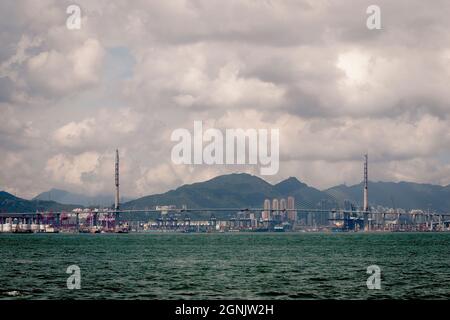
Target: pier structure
178,219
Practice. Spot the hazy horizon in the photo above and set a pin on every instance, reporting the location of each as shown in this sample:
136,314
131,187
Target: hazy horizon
130,198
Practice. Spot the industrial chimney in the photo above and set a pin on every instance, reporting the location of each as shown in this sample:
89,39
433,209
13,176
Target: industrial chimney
366,184
366,195
116,205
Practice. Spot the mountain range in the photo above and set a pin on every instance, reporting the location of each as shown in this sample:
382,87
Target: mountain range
406,195
234,190
66,197
11,203
244,190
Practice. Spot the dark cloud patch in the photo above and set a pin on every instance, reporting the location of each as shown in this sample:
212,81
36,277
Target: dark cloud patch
6,90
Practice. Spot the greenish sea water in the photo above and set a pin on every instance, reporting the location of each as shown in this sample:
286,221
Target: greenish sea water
225,266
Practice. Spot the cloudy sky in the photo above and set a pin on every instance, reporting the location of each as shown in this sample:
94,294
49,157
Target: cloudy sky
137,70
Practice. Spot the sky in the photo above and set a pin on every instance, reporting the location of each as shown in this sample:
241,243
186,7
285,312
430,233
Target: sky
136,71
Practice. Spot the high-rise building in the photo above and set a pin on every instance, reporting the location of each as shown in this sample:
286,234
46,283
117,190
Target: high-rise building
266,213
283,204
292,215
283,207
275,208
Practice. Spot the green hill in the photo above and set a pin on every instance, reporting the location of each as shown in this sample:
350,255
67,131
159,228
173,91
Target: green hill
11,203
234,190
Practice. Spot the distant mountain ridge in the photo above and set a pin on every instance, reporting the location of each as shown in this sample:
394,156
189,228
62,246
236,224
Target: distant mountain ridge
233,190
11,203
66,197
406,195
244,190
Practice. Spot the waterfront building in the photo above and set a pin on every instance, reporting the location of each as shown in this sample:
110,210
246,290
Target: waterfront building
292,215
265,216
283,207
275,207
283,204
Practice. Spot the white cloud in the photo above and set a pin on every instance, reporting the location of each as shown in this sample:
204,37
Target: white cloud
310,68
71,169
63,72
107,127
75,134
